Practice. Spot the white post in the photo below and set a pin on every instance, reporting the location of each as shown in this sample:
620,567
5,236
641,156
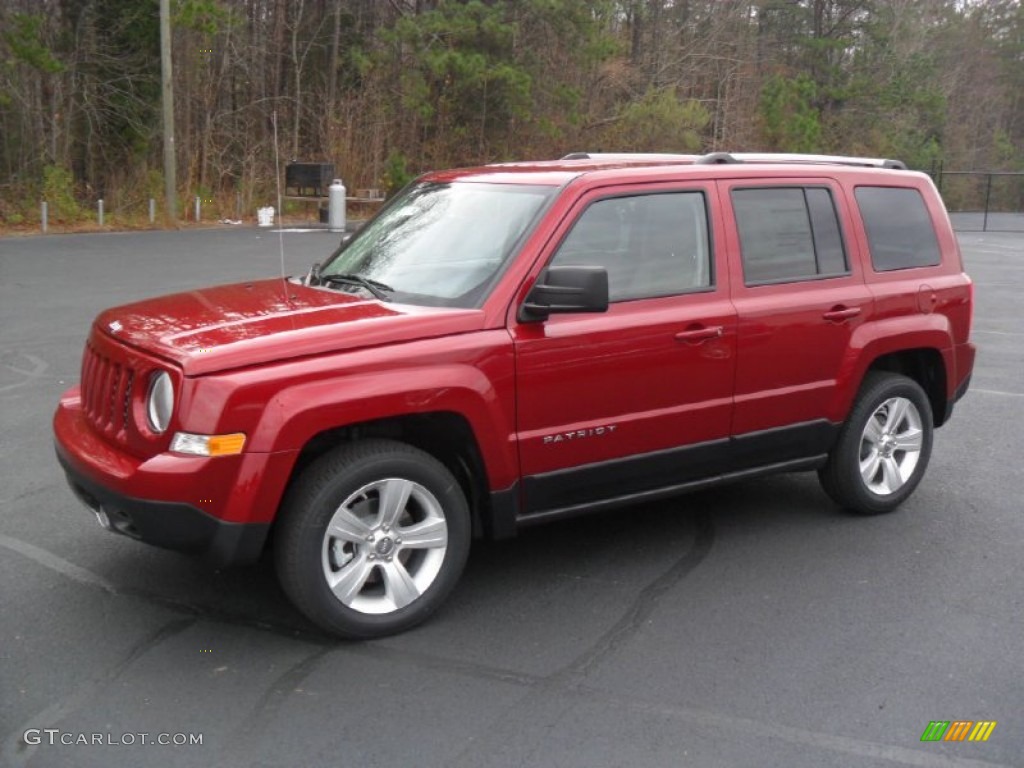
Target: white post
197,209
152,211
101,211
45,216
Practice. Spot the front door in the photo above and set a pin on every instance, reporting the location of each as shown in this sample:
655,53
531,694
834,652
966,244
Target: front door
616,405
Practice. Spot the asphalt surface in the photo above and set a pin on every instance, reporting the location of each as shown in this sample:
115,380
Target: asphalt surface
755,625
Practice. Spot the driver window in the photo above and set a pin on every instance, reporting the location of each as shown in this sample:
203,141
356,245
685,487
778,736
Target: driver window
651,245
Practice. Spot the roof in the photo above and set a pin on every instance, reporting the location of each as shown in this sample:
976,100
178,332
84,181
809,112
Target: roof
561,171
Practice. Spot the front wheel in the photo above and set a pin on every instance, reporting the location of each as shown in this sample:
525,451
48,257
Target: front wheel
883,448
372,538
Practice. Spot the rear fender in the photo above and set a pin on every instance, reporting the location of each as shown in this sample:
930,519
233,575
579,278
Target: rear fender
874,340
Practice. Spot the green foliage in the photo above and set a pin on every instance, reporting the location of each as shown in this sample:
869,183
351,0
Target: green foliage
58,192
437,83
659,122
396,172
206,16
125,73
24,38
1008,155
154,187
459,65
790,122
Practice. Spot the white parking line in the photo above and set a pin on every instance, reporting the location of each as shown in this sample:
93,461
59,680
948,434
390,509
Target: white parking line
56,563
999,392
998,333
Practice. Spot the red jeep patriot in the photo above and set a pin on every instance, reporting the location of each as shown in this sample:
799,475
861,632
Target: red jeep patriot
506,345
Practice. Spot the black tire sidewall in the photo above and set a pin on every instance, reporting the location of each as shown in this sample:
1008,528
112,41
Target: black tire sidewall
311,504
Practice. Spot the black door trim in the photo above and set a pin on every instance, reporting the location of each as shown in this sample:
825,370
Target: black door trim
620,482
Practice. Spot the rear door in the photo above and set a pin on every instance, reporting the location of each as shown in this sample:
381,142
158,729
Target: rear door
800,295
624,402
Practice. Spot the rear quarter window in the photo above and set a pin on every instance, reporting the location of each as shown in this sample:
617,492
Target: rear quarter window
899,228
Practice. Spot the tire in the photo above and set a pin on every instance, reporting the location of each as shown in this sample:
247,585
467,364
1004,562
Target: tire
883,448
372,538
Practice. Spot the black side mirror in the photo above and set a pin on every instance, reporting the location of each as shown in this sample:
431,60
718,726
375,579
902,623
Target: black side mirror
566,289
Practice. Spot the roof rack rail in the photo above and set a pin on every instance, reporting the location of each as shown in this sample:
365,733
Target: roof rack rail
625,157
771,157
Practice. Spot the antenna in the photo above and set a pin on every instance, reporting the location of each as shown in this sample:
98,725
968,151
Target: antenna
280,212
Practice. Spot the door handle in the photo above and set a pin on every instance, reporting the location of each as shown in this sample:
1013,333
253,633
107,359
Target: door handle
693,335
840,313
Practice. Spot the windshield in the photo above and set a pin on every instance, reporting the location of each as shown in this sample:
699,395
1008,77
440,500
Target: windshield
439,244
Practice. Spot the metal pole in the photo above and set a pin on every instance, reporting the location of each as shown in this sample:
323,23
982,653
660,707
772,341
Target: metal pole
988,196
167,86
101,211
45,216
198,212
152,211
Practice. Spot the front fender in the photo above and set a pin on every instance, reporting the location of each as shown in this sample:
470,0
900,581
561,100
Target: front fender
470,375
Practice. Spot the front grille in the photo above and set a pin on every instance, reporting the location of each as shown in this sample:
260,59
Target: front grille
106,393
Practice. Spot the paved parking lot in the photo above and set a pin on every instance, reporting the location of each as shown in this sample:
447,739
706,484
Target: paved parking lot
754,625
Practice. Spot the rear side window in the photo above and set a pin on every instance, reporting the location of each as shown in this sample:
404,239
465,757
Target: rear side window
900,231
788,234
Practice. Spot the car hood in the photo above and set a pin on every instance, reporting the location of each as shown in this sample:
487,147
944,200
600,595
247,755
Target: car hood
231,326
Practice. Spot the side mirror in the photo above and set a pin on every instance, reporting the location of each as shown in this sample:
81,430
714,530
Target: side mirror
566,289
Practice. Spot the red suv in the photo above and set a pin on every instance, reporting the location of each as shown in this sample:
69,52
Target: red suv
507,345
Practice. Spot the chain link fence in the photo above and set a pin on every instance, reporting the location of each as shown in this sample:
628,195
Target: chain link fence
983,201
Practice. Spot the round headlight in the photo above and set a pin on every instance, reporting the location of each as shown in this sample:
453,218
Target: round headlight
160,402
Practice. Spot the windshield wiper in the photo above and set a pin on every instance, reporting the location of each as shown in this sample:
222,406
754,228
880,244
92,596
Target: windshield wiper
375,287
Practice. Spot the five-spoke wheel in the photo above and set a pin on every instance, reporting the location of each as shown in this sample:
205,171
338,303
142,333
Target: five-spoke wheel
883,448
372,538
891,446
384,546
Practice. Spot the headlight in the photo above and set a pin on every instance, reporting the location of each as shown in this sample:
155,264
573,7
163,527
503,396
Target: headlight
160,402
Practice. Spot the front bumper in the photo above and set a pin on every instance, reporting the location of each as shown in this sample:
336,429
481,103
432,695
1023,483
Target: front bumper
171,525
217,508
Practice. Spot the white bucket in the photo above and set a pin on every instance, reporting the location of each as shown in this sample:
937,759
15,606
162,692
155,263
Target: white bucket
265,216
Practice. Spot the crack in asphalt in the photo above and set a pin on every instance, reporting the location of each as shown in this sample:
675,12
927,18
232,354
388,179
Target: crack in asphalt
277,694
569,678
643,606
70,570
241,747
26,494
16,752
627,625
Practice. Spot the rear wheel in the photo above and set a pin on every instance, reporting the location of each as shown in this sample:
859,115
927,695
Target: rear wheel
373,537
883,448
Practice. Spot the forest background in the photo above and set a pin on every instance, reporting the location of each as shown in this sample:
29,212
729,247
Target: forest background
386,89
